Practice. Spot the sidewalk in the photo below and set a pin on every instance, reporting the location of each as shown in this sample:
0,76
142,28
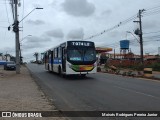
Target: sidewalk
156,75
19,92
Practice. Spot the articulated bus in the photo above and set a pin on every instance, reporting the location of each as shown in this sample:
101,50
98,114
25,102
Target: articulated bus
72,58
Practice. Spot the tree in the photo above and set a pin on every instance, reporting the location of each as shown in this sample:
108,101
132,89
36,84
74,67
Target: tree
7,57
36,54
1,55
103,58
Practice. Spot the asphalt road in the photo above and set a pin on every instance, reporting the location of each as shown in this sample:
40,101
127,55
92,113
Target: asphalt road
101,91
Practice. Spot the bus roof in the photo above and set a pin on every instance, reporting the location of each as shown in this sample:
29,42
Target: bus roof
66,42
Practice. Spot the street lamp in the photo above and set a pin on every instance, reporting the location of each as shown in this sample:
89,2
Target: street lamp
30,13
133,36
16,30
25,37
141,45
20,51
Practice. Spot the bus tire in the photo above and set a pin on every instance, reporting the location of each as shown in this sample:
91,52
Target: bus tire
83,75
48,68
59,71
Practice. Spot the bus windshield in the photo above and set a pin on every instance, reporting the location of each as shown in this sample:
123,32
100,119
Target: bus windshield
81,55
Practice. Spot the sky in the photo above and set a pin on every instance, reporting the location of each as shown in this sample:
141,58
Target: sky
104,22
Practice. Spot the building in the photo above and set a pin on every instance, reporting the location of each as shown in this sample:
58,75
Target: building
6,57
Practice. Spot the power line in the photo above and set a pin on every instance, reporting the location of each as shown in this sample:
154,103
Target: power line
12,8
152,32
152,8
152,11
22,32
7,11
114,27
157,36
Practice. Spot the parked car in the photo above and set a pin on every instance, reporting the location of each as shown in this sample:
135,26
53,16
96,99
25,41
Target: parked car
10,65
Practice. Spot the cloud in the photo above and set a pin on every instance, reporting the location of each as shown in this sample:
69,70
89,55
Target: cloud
35,42
36,39
8,50
106,13
76,34
114,34
57,33
150,24
54,3
78,8
32,46
36,22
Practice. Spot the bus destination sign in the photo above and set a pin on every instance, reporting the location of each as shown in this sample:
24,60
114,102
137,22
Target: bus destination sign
80,43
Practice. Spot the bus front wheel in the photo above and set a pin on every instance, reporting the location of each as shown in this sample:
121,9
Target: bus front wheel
83,75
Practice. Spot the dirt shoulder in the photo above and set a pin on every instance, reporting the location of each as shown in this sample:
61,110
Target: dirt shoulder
19,92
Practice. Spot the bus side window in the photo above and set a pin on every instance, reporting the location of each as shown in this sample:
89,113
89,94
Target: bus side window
55,53
65,54
59,52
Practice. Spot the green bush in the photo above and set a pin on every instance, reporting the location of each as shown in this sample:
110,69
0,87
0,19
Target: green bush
98,69
155,66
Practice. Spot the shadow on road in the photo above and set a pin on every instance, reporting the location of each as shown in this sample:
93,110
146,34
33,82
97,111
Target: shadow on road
78,77
71,77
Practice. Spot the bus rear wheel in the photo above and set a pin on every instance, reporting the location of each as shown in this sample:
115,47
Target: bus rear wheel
59,70
48,68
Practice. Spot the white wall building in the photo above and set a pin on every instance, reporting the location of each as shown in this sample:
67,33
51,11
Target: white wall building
5,57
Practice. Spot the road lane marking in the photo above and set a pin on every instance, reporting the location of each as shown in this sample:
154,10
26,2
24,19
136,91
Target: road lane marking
138,92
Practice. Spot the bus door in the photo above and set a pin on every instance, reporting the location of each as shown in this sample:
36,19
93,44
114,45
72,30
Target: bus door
52,60
63,59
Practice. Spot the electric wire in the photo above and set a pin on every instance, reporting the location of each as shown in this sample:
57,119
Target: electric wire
152,11
149,11
22,17
152,32
114,27
12,9
7,12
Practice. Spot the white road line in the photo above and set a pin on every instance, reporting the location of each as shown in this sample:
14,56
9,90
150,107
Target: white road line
138,92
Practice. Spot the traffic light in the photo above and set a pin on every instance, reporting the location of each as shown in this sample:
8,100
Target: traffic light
15,28
9,28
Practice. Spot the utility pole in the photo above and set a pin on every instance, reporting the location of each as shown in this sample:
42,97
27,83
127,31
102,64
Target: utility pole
114,53
140,33
16,30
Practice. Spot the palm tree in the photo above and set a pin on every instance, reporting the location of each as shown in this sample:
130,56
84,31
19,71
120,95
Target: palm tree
36,54
7,56
1,54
